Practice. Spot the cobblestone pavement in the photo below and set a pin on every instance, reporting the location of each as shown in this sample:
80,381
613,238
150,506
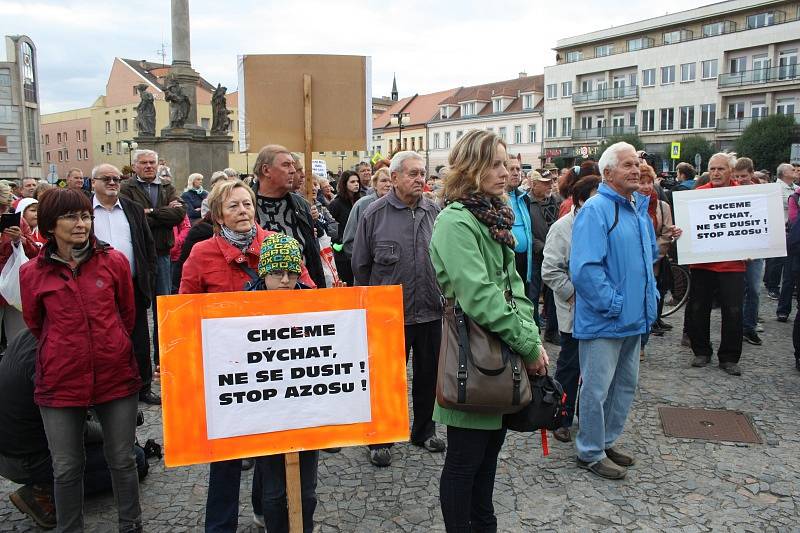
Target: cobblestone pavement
677,484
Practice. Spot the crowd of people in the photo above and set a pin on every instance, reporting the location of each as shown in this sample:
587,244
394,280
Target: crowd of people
581,255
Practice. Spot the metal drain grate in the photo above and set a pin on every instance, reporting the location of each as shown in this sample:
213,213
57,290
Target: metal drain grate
708,424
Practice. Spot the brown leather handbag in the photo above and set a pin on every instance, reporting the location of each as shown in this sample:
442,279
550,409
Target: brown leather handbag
477,371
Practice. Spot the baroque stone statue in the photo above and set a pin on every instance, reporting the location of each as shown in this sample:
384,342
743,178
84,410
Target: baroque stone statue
179,104
221,123
145,111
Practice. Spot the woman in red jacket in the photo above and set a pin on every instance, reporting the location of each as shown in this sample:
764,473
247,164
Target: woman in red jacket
227,262
77,299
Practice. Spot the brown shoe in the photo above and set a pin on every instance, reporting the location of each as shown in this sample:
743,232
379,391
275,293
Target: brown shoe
620,456
36,501
604,468
562,434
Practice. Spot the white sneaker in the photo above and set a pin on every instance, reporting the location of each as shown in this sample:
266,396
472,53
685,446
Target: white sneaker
759,328
258,519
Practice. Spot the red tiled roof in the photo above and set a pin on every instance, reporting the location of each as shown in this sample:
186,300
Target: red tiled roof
499,88
155,72
420,107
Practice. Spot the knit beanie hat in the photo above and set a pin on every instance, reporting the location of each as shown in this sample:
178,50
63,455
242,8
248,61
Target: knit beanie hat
279,252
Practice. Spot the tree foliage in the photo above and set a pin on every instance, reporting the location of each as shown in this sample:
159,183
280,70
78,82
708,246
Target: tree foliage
690,146
768,141
630,138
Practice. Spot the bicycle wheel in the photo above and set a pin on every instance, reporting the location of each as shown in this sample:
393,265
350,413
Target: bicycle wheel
677,296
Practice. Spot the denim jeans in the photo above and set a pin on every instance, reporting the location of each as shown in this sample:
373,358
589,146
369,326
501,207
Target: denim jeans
568,373
787,288
222,502
467,483
752,286
610,372
269,483
64,427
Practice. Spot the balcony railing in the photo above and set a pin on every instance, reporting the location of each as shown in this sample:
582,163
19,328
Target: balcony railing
602,132
738,124
605,95
777,74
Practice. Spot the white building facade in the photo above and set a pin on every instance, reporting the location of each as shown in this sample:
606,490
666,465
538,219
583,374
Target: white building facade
708,71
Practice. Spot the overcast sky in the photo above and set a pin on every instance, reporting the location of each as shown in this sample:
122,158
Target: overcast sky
430,44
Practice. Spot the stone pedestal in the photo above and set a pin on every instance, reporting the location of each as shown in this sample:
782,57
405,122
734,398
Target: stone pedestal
186,153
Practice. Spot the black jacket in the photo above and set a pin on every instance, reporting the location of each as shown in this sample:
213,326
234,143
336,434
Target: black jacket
144,249
311,256
21,426
163,218
193,202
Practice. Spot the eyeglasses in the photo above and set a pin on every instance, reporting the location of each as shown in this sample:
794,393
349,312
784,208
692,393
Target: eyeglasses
73,218
110,179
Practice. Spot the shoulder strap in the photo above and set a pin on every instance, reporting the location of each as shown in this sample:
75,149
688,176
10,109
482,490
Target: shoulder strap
254,277
616,218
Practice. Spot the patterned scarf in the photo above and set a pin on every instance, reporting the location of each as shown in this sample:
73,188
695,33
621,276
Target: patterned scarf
239,240
495,214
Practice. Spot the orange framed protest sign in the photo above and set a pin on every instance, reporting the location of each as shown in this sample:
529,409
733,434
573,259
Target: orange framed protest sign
253,373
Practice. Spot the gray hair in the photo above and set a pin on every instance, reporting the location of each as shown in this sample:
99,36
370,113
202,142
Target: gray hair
784,169
192,177
730,157
610,158
400,158
96,170
139,153
218,176
231,173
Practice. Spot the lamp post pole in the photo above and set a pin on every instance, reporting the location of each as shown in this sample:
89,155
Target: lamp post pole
132,145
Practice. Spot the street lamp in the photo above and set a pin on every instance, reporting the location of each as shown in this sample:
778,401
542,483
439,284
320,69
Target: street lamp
341,165
400,117
132,145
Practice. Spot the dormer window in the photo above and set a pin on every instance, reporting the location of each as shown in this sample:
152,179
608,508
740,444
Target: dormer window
468,109
497,105
527,101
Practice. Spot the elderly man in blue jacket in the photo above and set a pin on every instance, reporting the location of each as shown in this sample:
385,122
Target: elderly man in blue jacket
611,266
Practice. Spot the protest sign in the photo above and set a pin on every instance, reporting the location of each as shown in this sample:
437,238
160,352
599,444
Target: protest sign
319,168
264,372
730,223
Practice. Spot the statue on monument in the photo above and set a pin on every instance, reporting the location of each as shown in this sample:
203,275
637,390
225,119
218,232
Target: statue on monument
179,104
219,110
145,111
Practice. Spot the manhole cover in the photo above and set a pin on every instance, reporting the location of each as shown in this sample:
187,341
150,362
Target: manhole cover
707,424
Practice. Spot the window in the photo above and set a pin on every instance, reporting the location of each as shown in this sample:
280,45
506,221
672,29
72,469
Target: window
574,56
736,110
687,117
758,109
443,112
667,119
47,138
60,156
586,86
119,147
66,155
108,148
648,77
709,69
78,134
118,125
667,75
638,44
785,106
527,101
738,64
65,136
6,113
632,118
715,28
58,138
459,133
446,139
586,123
84,135
632,78
787,64
102,148
501,132
85,154
566,127
108,127
497,105
5,78
648,120
436,141
708,115
78,154
760,20
551,128
552,91
688,72
566,89
517,134
468,109
604,50
671,37
531,133
47,154
124,124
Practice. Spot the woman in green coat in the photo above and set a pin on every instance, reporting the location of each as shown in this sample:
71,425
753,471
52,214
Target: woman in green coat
472,250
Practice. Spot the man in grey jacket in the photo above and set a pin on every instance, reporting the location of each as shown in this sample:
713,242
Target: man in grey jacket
391,248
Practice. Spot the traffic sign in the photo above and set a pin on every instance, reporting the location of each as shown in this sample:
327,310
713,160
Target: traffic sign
675,150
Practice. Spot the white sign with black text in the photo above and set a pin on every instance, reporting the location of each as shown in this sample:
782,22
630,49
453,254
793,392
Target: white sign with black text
278,372
730,223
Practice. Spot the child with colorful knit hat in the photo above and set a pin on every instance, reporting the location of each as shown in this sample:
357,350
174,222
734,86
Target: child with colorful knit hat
280,262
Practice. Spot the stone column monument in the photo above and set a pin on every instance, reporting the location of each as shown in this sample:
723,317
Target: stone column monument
185,145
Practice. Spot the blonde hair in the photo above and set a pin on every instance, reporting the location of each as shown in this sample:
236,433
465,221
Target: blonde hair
5,193
380,172
469,161
221,192
647,170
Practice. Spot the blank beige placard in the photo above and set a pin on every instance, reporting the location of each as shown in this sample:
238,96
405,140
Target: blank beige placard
271,106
